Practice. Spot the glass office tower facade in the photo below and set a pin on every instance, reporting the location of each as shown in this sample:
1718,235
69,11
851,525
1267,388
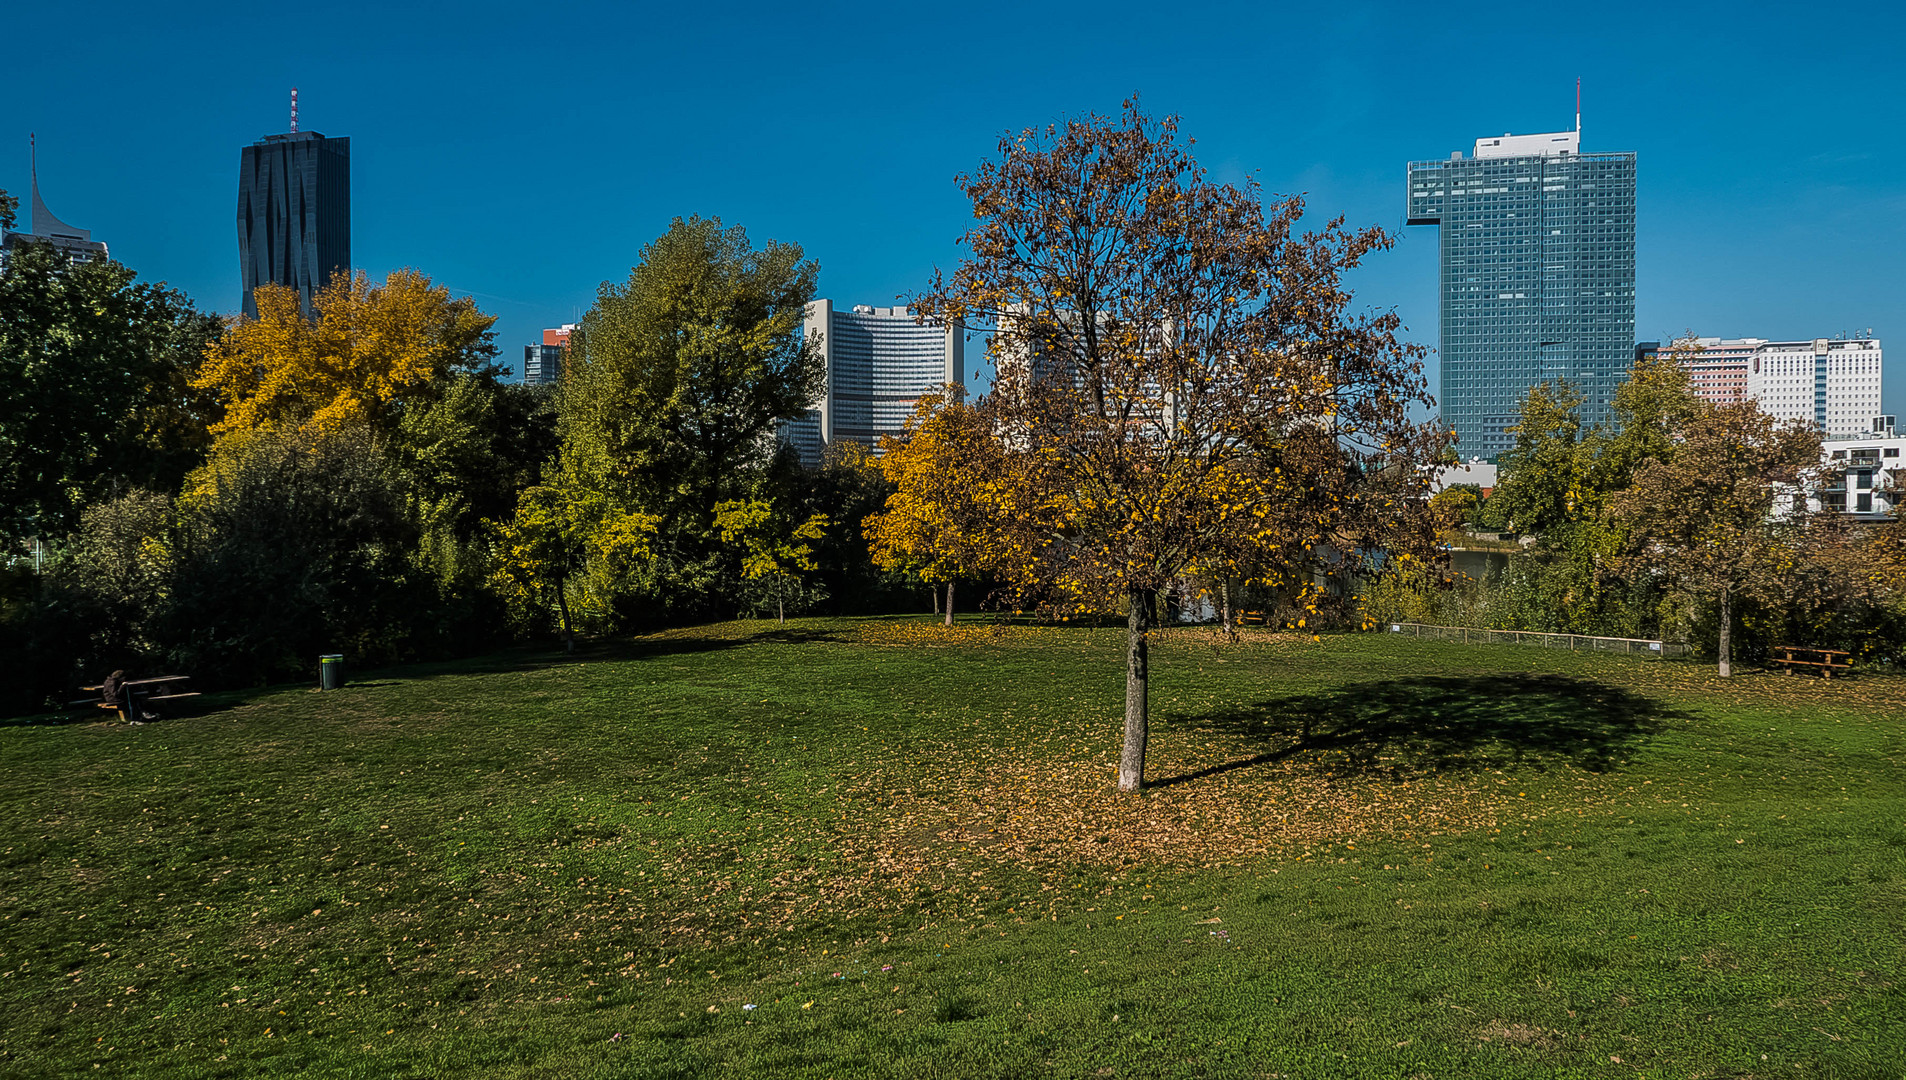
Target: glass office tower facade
543,364
1538,277
294,213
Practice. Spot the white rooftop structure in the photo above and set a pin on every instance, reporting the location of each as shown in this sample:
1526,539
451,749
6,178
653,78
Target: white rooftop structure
1507,145
1474,471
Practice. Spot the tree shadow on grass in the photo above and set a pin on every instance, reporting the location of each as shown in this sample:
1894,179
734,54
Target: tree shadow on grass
510,659
57,719
1410,727
544,655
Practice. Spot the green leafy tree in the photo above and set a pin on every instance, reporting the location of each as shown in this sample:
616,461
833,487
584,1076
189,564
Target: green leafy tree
111,582
1457,505
1557,481
95,368
1650,408
677,378
674,384
1543,474
469,454
847,487
777,553
554,536
292,543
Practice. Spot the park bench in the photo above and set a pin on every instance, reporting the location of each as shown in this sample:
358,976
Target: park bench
1828,661
1251,618
139,692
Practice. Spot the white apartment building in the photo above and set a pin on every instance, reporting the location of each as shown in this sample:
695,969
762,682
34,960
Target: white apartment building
1833,384
1864,478
879,363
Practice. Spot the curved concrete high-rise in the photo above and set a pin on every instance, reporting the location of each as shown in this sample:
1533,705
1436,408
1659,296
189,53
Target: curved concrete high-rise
879,363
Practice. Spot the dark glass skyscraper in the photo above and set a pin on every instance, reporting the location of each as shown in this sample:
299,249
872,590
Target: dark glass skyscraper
294,213
1538,277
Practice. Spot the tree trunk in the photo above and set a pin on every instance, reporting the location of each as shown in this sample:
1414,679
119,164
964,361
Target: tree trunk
1131,761
781,610
1727,620
935,590
1230,616
949,603
562,607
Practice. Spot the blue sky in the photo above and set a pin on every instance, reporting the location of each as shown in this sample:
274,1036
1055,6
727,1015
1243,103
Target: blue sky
525,152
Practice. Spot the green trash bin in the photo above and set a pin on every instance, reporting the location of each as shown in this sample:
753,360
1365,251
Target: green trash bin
330,671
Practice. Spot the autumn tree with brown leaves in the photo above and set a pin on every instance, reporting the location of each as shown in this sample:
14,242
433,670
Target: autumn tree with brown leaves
1719,508
1182,387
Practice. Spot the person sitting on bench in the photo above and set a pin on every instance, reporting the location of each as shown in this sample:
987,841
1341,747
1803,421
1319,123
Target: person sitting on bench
116,693
113,692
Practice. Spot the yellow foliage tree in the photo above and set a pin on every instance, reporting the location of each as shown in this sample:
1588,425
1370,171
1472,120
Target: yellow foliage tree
773,555
558,530
1456,506
928,527
364,352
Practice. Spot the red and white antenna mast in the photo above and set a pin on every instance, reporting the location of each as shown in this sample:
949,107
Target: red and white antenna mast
294,108
1578,111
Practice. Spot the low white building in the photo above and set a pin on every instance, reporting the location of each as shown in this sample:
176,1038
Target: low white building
1474,471
1863,478
1833,384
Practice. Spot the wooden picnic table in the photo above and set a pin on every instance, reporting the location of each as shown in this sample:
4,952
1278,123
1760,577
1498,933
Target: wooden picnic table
141,691
1828,661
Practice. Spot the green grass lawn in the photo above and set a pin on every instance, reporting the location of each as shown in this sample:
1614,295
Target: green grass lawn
881,849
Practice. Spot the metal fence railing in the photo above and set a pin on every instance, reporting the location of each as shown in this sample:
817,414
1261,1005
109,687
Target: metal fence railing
1470,635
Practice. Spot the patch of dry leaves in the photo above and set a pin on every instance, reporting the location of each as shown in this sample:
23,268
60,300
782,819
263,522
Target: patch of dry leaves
1038,810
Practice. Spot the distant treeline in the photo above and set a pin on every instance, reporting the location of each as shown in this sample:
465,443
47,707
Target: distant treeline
232,498
1683,521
